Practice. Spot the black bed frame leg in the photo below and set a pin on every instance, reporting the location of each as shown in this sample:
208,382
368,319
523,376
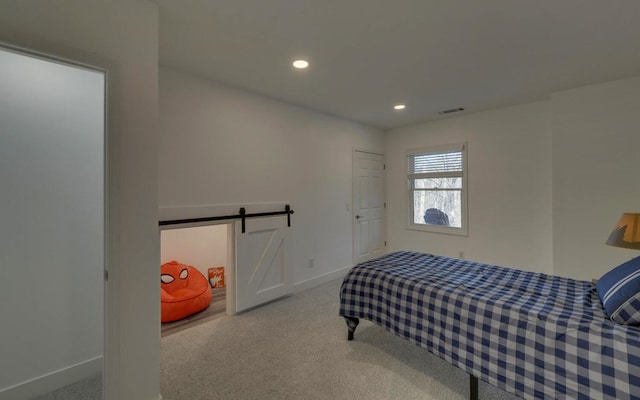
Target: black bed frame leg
473,387
352,323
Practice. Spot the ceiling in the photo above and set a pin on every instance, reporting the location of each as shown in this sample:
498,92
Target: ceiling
367,55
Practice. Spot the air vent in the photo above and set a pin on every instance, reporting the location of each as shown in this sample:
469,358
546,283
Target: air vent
451,110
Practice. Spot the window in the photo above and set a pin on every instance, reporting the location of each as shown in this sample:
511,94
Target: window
437,179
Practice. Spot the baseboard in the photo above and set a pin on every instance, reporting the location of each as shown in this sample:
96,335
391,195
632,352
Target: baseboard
52,381
319,280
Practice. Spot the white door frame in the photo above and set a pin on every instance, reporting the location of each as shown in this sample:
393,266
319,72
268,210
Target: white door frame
80,59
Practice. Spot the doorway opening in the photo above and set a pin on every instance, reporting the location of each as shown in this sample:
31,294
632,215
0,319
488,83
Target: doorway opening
53,238
207,250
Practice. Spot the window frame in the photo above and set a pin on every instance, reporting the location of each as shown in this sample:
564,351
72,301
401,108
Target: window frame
409,192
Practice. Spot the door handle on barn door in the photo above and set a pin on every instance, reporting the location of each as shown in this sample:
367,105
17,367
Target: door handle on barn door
357,217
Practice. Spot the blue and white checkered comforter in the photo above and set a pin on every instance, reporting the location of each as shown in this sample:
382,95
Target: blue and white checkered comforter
531,334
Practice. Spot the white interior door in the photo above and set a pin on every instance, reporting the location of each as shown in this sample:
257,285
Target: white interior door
262,272
368,206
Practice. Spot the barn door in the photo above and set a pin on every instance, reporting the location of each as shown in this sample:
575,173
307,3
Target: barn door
262,272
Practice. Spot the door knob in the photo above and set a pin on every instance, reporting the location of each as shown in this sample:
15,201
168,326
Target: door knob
357,217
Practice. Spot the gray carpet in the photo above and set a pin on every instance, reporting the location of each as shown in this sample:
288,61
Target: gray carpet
296,348
86,389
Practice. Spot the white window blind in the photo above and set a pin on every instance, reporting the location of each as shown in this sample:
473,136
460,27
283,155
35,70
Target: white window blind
436,163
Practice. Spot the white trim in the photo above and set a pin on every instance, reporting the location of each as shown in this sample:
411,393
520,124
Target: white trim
230,272
363,150
437,229
319,280
54,380
437,149
50,57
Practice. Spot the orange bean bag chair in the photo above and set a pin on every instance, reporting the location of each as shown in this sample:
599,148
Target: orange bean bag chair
183,291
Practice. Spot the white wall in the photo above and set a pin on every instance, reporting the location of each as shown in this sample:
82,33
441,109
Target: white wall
220,145
596,166
547,181
122,35
509,168
202,247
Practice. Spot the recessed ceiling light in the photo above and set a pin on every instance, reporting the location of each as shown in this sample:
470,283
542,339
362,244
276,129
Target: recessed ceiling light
300,64
399,107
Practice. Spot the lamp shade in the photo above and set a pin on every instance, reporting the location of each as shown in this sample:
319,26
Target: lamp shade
627,232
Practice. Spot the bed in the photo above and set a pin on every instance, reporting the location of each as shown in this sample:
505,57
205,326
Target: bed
531,334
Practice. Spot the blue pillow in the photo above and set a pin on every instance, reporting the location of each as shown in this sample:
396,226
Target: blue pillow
619,291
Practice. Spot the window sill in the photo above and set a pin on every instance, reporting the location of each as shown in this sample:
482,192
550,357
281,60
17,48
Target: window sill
438,229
